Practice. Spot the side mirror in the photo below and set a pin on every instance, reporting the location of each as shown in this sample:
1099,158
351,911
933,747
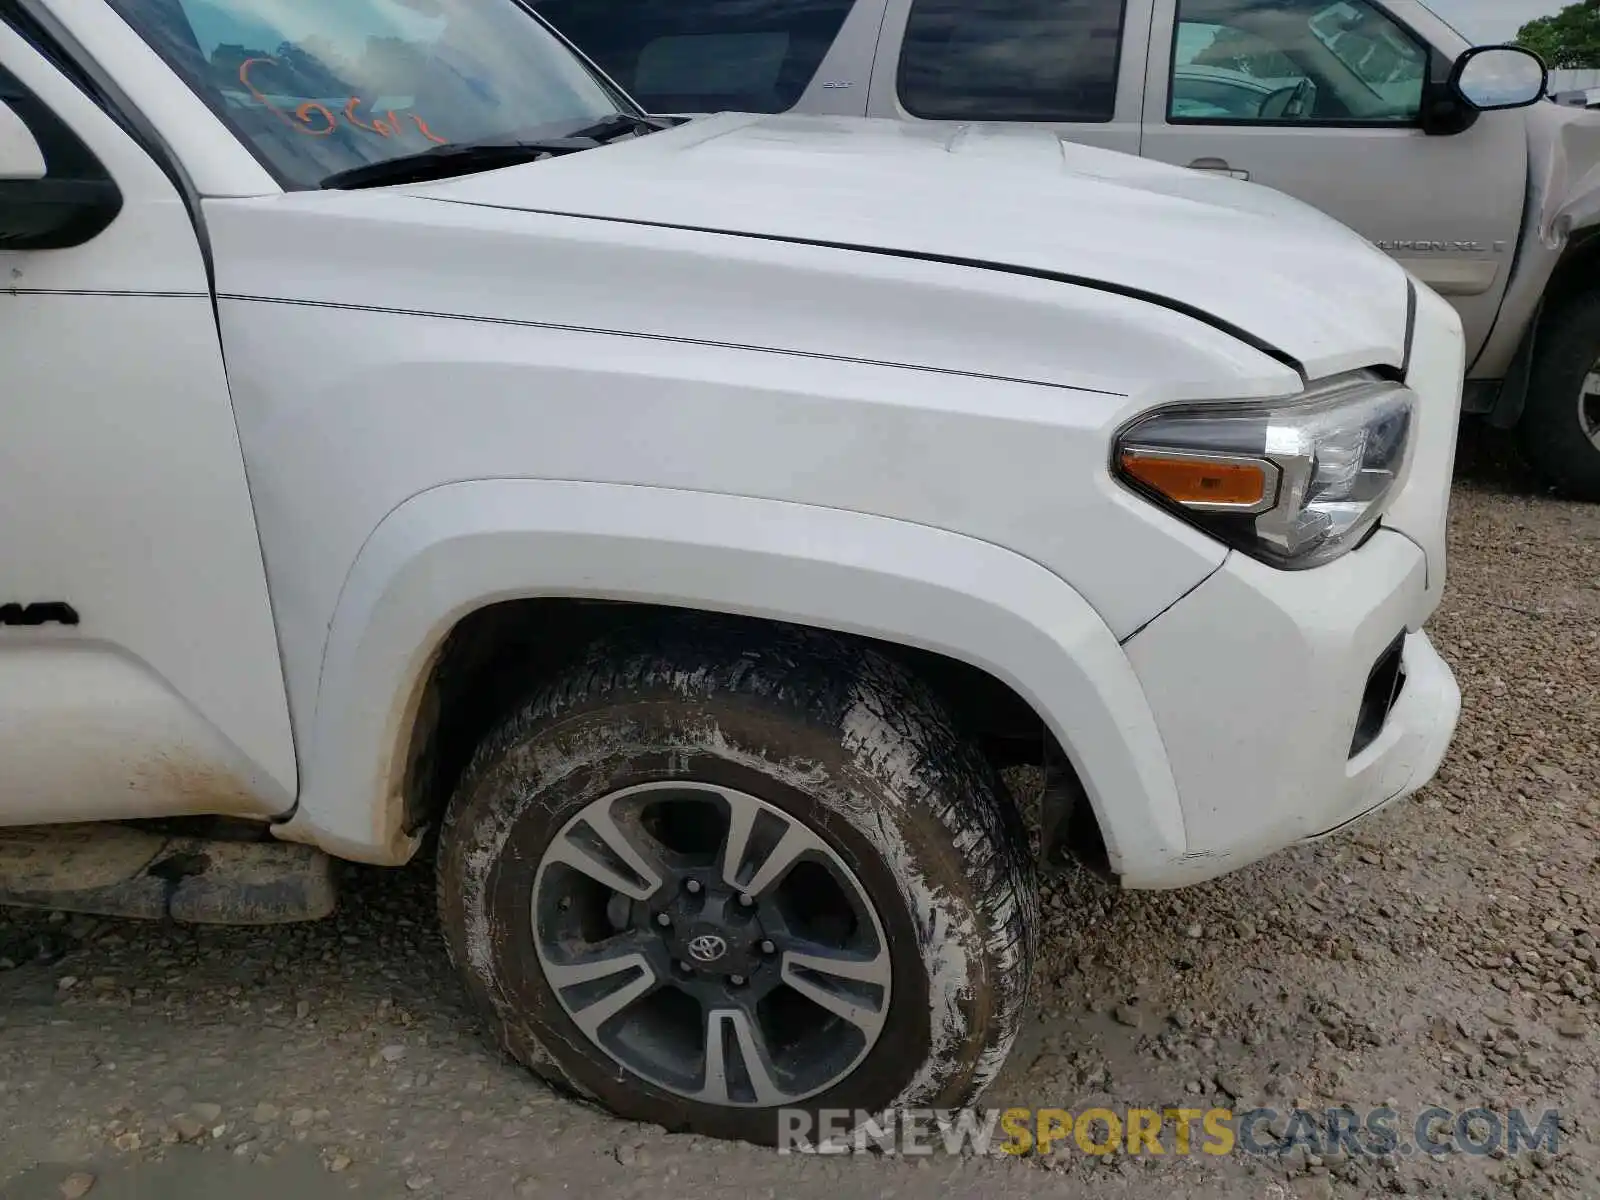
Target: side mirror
40,210
1489,78
20,155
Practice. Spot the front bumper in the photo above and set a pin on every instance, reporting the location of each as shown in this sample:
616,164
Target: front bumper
1258,679
1257,682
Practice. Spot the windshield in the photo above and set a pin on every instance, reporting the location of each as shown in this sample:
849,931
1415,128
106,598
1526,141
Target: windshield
317,87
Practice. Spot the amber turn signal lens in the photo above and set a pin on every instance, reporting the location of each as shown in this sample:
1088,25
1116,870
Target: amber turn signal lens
1203,481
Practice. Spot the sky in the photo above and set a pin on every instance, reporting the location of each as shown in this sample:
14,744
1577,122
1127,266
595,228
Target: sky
1492,20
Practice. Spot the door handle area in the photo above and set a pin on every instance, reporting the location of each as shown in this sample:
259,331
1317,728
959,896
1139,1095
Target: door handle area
1218,166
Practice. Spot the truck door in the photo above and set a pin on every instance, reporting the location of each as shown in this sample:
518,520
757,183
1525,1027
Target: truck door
139,666
1075,66
1323,100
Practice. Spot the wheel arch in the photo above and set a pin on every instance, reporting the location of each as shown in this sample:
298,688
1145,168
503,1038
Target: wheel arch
1576,272
475,571
492,658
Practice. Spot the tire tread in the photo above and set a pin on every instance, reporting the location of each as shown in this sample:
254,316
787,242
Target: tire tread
816,677
1551,438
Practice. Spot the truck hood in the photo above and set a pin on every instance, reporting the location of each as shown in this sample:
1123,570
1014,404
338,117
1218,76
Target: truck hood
1274,271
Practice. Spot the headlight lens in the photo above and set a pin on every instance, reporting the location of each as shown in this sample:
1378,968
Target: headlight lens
1294,482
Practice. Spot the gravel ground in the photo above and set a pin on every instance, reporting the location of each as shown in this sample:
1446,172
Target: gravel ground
1442,953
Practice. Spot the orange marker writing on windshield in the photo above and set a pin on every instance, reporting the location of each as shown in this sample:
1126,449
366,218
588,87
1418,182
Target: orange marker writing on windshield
305,116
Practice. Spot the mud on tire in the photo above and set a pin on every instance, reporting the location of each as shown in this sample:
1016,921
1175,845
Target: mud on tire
840,739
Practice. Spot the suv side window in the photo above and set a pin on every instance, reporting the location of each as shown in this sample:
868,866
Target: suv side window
1294,61
1012,60
696,56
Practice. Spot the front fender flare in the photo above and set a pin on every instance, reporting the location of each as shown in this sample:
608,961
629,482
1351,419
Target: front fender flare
459,547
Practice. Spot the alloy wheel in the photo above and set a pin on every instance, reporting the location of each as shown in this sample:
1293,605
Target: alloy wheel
711,944
1589,406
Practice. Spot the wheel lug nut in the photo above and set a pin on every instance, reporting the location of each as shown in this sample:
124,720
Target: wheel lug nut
736,980
768,948
745,900
663,919
694,887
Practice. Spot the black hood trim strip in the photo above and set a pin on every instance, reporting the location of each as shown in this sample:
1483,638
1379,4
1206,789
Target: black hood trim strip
979,264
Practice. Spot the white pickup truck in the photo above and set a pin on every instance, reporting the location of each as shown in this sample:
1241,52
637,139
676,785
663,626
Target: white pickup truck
1353,106
401,432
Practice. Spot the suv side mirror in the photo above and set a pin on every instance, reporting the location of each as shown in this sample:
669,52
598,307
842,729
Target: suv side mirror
1489,78
20,155
53,192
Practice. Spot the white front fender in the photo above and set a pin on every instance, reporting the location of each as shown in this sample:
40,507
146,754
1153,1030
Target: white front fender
456,548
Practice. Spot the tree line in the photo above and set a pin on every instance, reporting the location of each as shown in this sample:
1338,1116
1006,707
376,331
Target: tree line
1569,40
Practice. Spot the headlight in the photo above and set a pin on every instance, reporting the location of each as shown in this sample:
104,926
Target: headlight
1294,482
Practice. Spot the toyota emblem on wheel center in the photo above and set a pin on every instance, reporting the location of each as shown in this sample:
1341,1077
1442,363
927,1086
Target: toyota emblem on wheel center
707,948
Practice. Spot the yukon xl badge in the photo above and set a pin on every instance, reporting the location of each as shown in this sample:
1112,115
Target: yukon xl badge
1406,246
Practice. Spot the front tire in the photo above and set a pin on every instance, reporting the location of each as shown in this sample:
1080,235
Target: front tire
699,882
1560,428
